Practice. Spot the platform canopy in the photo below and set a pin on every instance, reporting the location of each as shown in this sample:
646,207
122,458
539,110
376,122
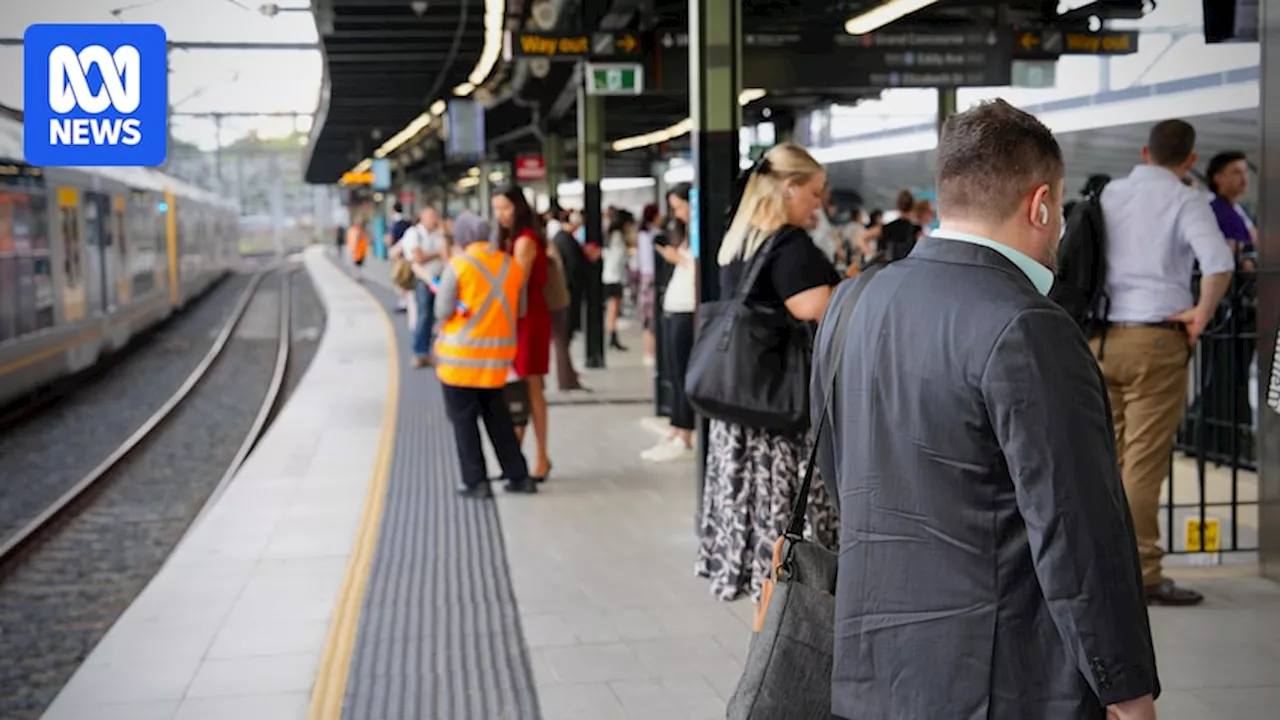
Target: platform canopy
385,62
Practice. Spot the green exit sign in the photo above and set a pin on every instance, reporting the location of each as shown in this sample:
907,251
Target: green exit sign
615,79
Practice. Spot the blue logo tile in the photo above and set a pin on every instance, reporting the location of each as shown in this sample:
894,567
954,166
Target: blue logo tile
95,95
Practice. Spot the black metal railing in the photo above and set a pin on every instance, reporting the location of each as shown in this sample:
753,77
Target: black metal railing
1218,433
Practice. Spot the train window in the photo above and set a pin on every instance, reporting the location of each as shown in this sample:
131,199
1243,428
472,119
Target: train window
26,284
144,243
8,271
69,224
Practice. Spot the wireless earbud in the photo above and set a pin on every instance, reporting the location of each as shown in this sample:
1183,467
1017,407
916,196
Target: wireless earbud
791,192
1044,214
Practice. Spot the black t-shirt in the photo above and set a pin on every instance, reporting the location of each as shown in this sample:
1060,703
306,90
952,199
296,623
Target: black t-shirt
897,238
793,265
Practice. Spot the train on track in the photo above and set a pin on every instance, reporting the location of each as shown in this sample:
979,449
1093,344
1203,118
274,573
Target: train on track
91,257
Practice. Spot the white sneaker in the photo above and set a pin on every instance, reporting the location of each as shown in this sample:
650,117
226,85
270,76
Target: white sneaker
649,361
646,454
670,452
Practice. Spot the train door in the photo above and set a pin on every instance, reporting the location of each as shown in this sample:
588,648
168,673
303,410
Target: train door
119,252
97,235
70,235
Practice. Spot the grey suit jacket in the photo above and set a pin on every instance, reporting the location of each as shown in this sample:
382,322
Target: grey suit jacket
988,567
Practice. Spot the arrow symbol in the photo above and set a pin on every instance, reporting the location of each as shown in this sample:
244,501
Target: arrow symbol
627,43
1029,41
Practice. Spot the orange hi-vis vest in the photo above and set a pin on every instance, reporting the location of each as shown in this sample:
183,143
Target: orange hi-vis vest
360,246
476,349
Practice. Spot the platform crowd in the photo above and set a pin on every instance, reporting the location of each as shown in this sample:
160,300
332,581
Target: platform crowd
970,406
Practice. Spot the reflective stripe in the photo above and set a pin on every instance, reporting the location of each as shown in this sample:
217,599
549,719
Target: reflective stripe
454,338
478,363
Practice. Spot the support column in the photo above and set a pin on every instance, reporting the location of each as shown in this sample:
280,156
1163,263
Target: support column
484,191
946,106
715,62
553,159
1268,288
661,274
591,172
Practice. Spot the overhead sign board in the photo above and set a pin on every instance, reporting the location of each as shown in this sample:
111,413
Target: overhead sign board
577,46
381,174
899,58
1049,44
357,178
615,79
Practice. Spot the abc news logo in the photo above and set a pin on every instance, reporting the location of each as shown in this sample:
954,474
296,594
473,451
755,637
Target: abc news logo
95,95
121,73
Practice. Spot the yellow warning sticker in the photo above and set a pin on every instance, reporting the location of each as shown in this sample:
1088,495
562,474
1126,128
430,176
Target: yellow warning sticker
1196,530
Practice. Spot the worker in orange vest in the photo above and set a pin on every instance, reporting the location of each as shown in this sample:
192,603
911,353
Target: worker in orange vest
480,295
358,243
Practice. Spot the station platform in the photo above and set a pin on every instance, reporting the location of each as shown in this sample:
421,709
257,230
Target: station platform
340,577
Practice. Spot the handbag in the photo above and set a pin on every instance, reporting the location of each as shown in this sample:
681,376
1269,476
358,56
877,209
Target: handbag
556,289
516,395
788,670
402,274
749,364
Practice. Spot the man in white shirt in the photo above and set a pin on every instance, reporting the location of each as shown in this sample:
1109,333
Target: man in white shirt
426,247
1157,229
824,235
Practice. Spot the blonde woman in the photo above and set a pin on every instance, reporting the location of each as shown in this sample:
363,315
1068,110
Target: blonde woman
752,474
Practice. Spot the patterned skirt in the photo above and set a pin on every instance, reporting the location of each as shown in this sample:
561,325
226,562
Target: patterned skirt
752,479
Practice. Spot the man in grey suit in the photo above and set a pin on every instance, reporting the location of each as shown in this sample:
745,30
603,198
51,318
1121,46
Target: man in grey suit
988,567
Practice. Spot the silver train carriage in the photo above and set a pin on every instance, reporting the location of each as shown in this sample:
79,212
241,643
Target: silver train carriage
91,257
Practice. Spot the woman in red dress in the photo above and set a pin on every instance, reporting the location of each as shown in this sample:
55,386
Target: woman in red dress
520,234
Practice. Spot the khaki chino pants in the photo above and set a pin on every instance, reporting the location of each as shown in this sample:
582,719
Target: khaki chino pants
1146,373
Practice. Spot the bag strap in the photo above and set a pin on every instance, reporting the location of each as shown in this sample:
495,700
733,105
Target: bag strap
756,266
835,354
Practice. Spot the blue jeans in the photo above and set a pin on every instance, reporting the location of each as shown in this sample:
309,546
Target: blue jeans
426,301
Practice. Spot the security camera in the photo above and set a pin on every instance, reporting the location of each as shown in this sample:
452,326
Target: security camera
544,14
419,7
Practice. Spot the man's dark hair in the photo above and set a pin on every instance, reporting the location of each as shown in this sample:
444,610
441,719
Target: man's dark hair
1219,163
1171,142
906,201
990,157
398,208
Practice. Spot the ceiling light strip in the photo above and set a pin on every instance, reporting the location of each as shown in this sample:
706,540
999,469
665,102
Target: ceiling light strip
494,18
684,127
883,14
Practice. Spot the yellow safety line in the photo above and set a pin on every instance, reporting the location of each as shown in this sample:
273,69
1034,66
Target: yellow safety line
335,661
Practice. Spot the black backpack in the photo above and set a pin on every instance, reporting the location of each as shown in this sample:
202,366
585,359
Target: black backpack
1080,285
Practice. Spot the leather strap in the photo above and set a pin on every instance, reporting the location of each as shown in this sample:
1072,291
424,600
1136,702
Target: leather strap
800,507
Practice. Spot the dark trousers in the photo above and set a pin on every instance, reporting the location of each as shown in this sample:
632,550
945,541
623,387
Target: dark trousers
465,407
677,340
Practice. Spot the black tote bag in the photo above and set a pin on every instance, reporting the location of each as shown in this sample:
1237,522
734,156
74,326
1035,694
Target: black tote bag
750,361
788,670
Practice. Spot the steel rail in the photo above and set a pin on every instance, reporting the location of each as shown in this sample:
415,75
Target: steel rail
269,403
25,537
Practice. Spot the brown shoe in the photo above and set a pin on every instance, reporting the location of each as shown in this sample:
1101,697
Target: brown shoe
1166,592
421,362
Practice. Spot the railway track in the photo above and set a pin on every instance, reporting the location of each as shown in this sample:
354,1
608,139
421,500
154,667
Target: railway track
72,569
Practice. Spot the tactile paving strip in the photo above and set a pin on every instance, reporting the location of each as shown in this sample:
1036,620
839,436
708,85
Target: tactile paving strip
440,636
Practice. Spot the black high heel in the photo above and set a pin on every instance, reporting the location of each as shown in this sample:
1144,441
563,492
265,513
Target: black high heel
543,477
